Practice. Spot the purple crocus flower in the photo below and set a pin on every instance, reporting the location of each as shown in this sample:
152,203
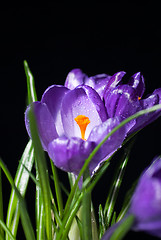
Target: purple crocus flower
145,203
74,118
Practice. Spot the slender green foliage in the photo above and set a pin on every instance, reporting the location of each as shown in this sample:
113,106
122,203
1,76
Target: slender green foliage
1,205
43,174
57,189
32,97
21,182
6,229
116,183
86,214
25,219
126,202
102,222
123,228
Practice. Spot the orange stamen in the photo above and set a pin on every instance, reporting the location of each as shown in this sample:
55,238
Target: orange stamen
82,122
139,98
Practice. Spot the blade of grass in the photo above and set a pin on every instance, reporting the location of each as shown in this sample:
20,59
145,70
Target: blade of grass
25,219
57,189
86,212
98,175
71,178
68,219
32,177
43,174
123,228
116,183
126,202
1,205
41,230
6,229
21,182
32,97
102,222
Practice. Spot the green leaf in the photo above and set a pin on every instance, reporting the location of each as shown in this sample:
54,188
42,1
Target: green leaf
32,176
57,189
96,177
21,182
6,229
102,222
123,228
40,223
76,230
126,202
25,219
1,205
113,221
71,177
86,213
42,173
32,97
116,183
68,218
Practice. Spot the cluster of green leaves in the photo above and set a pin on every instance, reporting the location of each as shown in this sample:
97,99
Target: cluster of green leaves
54,219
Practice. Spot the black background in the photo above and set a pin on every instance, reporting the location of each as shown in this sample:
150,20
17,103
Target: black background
98,38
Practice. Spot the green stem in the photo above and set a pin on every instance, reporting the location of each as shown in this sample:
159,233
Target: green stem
67,224
57,189
86,217
39,209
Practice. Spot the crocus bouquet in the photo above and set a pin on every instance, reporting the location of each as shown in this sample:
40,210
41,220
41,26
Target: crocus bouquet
81,126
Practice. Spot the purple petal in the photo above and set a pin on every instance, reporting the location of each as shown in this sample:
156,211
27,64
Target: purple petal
53,98
82,101
70,154
153,228
123,102
158,92
112,143
113,82
96,100
98,82
137,82
45,123
146,200
75,78
149,117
